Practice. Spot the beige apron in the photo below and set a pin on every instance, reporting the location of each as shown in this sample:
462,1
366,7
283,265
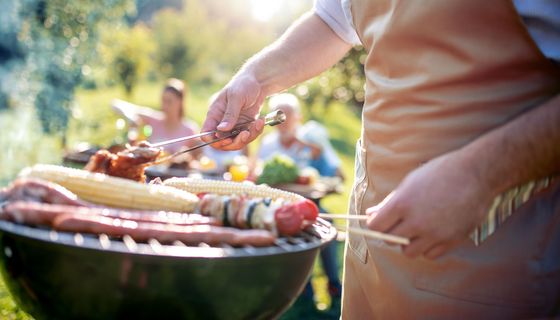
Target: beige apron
439,74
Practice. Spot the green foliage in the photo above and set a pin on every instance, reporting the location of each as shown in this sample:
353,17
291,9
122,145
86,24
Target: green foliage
127,51
45,48
56,39
279,169
206,41
342,83
174,53
8,308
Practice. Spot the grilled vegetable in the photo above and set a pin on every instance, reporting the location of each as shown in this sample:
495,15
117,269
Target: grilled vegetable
115,192
278,216
198,186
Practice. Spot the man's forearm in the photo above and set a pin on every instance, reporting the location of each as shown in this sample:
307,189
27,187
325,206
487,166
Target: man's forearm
307,48
524,149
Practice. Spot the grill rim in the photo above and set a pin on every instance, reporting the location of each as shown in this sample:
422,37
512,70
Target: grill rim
324,234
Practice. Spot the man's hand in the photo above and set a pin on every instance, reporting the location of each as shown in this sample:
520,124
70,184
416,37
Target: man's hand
239,101
436,206
306,49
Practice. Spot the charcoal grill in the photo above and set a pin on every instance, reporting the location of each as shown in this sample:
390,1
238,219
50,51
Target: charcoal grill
59,275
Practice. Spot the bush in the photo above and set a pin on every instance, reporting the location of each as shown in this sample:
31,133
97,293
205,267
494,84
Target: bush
128,53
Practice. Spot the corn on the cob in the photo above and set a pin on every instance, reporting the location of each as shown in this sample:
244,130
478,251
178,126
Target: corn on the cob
115,192
229,187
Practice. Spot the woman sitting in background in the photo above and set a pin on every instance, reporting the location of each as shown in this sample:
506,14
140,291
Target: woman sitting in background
169,123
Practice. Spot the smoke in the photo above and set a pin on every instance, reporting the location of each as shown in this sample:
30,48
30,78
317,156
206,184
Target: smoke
43,47
22,141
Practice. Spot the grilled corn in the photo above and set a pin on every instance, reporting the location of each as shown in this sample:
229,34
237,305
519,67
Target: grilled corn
115,192
196,186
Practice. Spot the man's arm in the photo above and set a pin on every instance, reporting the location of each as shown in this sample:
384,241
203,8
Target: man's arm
307,48
440,203
524,149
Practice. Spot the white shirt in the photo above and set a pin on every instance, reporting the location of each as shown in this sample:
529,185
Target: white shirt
542,18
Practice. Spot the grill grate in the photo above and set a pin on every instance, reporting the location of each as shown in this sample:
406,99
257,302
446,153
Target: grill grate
314,236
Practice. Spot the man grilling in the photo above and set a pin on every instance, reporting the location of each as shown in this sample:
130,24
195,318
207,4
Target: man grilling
458,152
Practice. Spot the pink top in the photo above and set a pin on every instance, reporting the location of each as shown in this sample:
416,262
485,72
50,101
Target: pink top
162,132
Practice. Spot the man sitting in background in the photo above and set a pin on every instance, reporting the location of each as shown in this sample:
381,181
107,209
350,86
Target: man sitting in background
308,146
284,140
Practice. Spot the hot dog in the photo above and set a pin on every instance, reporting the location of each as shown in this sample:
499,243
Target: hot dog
164,233
43,214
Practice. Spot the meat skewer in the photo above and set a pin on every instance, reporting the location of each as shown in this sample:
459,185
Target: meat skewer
278,216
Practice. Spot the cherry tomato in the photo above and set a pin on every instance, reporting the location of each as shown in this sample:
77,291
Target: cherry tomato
289,220
308,209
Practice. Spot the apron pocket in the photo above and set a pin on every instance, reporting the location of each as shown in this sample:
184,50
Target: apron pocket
497,282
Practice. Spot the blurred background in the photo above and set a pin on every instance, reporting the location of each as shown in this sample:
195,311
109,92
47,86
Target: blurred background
63,62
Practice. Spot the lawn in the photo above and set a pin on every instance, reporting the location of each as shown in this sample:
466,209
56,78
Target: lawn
94,122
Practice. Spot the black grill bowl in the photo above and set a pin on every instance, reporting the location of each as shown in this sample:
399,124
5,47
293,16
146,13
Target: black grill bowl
66,276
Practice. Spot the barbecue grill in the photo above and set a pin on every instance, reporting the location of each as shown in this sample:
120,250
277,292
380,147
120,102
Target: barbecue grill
58,275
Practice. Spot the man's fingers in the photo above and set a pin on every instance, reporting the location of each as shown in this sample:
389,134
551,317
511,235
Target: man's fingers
382,217
256,129
242,139
213,117
404,229
231,114
238,142
437,251
418,247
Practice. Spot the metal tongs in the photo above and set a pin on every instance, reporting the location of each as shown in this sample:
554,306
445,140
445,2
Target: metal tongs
271,119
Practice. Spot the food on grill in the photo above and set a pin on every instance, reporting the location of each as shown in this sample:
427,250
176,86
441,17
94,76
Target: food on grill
291,212
279,169
242,206
164,233
39,191
129,163
79,216
115,192
36,213
198,186
278,216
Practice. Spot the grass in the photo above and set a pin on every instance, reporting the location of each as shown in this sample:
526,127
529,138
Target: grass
94,121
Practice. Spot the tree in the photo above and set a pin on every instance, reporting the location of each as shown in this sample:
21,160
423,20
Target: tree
344,82
206,41
128,52
54,39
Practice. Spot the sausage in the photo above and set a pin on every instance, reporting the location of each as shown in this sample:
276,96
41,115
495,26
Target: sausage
43,214
36,190
32,213
164,233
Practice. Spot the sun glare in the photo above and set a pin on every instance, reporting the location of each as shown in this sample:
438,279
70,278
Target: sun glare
264,10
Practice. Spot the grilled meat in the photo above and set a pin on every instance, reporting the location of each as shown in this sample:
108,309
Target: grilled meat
164,233
129,163
278,216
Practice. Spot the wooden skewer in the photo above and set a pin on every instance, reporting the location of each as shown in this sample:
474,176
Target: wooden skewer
375,235
342,216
